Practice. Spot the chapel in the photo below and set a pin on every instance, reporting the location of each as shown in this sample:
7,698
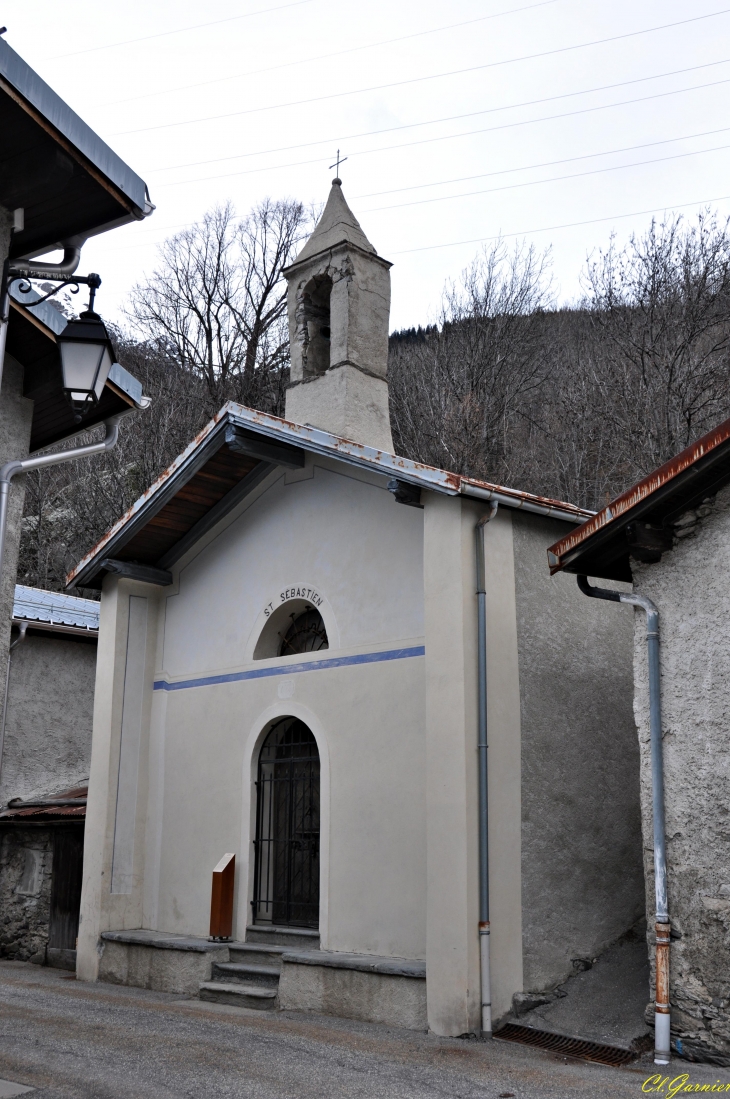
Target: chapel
306,644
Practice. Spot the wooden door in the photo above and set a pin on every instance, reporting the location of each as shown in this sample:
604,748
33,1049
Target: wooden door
68,859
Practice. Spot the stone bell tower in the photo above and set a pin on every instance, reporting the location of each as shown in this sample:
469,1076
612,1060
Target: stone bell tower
339,307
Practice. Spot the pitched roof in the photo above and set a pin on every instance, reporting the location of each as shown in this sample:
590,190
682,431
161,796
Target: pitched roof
337,224
602,546
68,804
227,459
69,182
55,608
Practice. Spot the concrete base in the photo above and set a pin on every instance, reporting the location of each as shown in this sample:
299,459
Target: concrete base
164,963
602,1004
355,986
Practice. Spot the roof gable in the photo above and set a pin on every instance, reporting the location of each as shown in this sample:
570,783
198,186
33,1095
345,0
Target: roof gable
226,460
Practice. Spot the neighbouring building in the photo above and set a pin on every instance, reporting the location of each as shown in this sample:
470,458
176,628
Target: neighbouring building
45,749
670,536
59,185
288,672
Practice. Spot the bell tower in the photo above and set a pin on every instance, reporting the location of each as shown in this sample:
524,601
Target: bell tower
339,308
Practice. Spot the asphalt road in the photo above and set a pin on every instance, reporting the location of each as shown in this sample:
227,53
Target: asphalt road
66,1038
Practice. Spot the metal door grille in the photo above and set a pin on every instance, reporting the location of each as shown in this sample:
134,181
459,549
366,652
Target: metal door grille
286,877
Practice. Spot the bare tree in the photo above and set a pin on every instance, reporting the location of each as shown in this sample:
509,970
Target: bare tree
454,391
217,301
660,309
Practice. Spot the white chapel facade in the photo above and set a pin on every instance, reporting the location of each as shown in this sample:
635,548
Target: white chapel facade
288,672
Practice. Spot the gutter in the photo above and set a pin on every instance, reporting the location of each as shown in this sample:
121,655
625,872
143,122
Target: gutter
662,1018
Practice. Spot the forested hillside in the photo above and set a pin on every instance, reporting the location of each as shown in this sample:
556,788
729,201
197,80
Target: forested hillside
575,402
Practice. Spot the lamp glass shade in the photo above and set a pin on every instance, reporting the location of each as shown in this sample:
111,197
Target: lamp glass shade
86,368
86,358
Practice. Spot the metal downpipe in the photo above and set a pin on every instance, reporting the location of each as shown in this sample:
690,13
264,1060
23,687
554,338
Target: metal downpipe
484,928
12,469
662,1018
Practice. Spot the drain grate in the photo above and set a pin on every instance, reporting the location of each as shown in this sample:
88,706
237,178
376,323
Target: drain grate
567,1047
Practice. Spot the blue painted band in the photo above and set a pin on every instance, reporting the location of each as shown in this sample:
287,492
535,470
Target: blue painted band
291,669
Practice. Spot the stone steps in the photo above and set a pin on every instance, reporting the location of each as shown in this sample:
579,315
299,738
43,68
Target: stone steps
257,997
250,978
257,954
292,938
246,973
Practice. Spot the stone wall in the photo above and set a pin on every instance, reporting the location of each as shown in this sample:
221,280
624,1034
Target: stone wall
26,858
582,880
690,587
50,715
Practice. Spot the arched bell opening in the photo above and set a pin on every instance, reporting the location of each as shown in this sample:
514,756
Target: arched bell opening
286,869
315,322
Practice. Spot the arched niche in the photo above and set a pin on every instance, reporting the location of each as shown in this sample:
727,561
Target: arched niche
295,627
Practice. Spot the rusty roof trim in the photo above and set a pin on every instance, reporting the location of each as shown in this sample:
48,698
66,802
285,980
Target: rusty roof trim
317,441
665,477
34,809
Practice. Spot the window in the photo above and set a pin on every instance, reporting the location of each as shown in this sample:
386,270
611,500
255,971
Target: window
306,634
294,627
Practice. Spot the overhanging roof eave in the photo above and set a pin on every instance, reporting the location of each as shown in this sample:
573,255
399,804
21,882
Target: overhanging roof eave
19,76
316,441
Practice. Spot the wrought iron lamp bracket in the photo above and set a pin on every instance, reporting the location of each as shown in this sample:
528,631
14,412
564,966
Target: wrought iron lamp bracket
23,278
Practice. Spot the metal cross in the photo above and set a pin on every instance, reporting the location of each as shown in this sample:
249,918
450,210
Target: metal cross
337,163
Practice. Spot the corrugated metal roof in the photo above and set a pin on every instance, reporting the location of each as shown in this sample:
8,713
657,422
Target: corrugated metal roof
31,810
600,548
209,441
55,608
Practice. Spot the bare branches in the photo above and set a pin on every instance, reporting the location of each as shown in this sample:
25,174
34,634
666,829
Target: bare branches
453,390
217,300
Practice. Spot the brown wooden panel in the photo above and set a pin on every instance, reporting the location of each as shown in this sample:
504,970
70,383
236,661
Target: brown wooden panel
221,473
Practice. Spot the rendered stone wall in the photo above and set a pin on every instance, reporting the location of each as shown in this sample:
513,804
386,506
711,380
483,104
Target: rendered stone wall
582,881
50,716
691,589
26,857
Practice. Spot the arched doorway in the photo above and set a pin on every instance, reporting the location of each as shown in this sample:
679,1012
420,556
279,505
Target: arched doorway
286,875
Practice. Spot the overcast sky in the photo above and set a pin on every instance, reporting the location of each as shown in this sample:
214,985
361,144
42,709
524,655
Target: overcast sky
558,121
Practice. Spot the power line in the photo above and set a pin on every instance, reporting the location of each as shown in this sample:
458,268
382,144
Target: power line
419,79
180,30
566,225
552,179
546,163
469,133
328,56
416,125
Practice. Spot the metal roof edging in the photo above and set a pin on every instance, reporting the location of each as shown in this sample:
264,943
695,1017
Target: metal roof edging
195,455
27,83
312,439
380,461
616,523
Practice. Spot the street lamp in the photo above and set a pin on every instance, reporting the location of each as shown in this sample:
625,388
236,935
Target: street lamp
87,355
86,351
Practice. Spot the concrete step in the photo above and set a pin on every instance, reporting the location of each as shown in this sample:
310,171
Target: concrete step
247,972
239,995
257,954
293,938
